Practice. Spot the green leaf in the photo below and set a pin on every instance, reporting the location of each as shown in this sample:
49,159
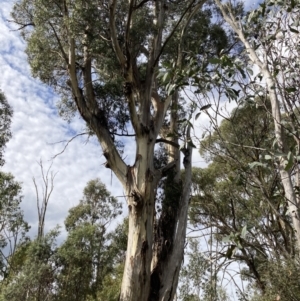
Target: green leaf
205,107
250,71
214,61
197,115
171,89
293,29
263,5
244,232
289,162
242,72
256,163
230,251
190,124
291,89
226,238
166,77
268,157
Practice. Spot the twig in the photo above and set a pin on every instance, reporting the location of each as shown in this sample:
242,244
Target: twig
69,141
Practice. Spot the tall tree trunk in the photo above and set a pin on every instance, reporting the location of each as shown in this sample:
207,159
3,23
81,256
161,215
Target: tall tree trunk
171,226
140,188
286,177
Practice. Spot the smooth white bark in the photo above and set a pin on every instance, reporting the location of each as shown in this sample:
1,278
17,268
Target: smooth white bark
286,177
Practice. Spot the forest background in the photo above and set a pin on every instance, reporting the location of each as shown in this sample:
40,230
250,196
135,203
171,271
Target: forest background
49,128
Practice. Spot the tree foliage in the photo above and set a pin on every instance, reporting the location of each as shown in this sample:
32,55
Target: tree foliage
5,121
87,255
238,201
89,258
13,226
34,278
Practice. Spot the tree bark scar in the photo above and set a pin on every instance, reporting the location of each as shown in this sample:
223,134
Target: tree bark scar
186,158
149,175
145,129
131,261
137,159
106,155
132,187
127,89
155,285
144,248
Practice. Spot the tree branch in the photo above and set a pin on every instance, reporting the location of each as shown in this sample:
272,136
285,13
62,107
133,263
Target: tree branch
130,11
141,4
59,44
115,43
172,33
167,142
69,141
21,24
162,171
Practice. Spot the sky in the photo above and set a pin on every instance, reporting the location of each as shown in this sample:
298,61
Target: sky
37,128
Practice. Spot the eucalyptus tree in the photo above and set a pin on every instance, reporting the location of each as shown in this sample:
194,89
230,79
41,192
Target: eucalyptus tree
5,121
33,276
269,34
13,227
198,278
43,199
88,50
238,200
87,255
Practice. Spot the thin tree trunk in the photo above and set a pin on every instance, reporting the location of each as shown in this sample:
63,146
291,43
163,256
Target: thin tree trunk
285,175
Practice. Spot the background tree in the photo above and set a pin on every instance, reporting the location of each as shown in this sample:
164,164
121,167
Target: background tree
34,278
238,201
79,268
87,255
199,277
111,283
43,200
5,121
13,227
274,23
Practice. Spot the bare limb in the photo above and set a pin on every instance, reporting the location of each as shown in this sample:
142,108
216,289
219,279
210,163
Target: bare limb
141,4
59,44
47,189
128,25
115,43
167,142
172,32
21,24
69,141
